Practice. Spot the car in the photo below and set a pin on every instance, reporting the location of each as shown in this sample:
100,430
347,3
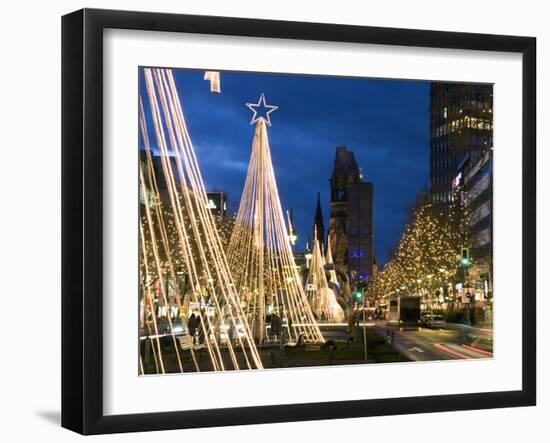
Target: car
368,313
436,322
425,317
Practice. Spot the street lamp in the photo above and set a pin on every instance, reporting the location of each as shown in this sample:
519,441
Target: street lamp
292,237
465,257
308,255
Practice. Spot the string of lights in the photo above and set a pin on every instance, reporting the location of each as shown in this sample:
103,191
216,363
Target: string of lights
426,257
179,236
260,253
321,297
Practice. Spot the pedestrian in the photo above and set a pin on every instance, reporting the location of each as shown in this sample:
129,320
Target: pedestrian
275,325
217,328
201,327
192,325
289,324
351,326
230,330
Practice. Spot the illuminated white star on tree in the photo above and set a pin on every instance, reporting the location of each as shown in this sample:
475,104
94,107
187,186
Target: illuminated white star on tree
261,110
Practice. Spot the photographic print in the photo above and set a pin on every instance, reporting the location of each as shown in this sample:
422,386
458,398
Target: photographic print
290,220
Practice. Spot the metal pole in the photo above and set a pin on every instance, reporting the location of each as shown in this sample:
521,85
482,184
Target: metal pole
364,333
260,209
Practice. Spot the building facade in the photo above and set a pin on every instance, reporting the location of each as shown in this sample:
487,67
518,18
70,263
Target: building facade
216,199
461,121
473,194
217,203
351,218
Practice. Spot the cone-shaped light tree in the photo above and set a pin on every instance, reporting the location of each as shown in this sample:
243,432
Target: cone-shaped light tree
179,241
330,262
260,253
321,297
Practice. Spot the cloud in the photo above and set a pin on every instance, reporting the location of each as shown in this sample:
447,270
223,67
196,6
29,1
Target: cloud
235,165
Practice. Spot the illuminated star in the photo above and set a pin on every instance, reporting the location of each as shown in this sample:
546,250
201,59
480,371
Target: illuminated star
261,110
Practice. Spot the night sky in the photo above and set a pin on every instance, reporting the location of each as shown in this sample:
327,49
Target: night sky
384,122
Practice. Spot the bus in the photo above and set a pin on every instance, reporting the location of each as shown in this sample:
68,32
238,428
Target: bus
405,312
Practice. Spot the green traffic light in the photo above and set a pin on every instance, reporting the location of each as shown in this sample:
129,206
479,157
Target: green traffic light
358,295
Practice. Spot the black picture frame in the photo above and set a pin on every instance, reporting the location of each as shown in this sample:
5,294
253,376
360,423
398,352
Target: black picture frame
82,217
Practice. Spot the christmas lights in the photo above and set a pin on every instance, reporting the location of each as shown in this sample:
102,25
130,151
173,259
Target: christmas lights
179,235
260,253
426,256
321,298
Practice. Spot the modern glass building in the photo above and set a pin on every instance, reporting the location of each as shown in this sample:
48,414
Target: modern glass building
473,194
461,121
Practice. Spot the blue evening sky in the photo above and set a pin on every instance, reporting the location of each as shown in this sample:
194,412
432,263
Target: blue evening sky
384,122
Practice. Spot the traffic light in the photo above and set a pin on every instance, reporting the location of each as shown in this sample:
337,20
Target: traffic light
358,295
465,257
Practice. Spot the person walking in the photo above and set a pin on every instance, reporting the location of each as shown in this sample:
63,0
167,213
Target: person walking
289,324
230,329
275,326
203,327
192,325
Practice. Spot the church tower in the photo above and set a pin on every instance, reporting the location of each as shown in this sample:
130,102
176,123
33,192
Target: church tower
350,232
318,224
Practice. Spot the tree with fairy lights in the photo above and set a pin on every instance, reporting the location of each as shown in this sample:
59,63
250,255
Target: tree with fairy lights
426,256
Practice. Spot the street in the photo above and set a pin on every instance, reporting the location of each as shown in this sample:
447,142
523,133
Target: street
454,342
